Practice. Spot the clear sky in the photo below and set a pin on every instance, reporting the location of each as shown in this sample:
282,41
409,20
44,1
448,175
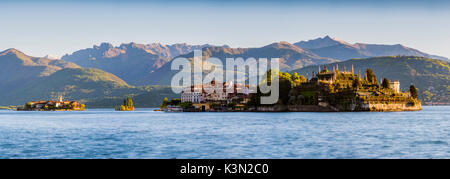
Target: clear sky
46,27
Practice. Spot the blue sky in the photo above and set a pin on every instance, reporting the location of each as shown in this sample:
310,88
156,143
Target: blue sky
39,28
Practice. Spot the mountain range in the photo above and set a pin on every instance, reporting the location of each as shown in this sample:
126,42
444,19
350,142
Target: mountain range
104,74
148,64
341,50
24,78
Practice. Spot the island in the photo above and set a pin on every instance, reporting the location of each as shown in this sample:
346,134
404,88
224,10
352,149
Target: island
52,105
326,91
127,105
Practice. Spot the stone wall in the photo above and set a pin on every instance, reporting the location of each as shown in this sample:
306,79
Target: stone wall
276,108
392,107
309,108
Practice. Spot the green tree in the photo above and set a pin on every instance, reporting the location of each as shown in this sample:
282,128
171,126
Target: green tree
284,86
127,105
297,79
284,81
186,104
295,76
130,102
370,77
82,107
357,83
28,105
231,105
255,99
175,101
164,103
386,83
413,91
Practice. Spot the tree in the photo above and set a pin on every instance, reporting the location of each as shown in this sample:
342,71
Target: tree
127,105
357,83
186,104
130,102
28,105
413,91
386,83
82,107
285,87
370,77
164,103
231,105
255,99
295,76
297,79
285,76
175,101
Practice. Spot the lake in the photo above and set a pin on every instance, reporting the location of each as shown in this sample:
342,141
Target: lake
144,133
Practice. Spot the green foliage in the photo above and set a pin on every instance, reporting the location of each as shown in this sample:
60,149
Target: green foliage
386,83
284,87
297,79
127,105
175,101
255,99
187,104
231,105
357,84
426,74
28,105
370,77
284,81
82,107
413,91
164,103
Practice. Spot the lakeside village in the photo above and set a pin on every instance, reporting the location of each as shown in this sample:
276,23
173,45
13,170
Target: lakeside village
326,91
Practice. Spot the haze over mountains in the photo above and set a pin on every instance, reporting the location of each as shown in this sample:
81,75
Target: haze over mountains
104,73
148,64
291,57
341,50
24,78
129,61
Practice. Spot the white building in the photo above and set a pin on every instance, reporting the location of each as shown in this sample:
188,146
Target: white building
194,97
395,85
198,93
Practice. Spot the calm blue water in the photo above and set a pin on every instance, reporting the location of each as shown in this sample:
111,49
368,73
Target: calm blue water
148,134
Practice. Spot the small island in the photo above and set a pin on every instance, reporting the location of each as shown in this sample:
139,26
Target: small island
58,105
127,105
326,91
